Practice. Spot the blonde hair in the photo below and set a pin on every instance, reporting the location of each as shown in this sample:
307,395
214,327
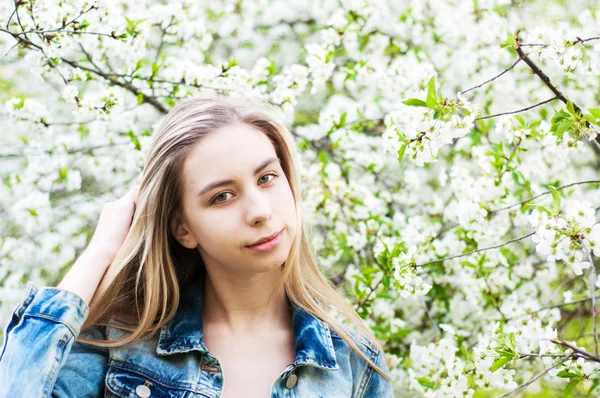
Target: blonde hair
152,266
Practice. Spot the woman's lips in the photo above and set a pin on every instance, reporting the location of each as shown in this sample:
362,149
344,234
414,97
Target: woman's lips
268,245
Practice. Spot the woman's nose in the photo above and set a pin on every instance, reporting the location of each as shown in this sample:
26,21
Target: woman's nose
258,208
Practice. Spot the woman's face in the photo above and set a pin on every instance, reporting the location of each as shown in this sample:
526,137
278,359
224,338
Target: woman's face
235,193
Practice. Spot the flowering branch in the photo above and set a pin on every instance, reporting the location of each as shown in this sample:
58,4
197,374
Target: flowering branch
537,71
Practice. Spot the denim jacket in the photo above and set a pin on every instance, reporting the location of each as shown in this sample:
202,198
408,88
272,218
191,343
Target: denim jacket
40,358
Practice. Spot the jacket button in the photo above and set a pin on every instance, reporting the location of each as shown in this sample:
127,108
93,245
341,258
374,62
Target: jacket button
291,381
142,391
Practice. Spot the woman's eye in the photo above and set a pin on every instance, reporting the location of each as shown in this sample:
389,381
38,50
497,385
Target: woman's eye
270,174
219,195
214,200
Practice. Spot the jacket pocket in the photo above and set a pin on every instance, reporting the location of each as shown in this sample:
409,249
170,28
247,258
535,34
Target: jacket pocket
131,381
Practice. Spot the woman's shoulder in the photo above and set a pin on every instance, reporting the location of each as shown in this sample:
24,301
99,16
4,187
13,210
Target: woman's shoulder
367,382
365,344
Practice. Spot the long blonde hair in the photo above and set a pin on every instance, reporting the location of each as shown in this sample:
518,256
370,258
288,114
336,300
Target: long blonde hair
151,267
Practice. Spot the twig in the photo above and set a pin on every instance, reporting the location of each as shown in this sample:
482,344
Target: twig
575,356
518,110
372,290
593,291
584,40
536,377
11,15
128,86
77,32
564,304
579,40
544,193
9,50
493,78
448,227
478,250
87,149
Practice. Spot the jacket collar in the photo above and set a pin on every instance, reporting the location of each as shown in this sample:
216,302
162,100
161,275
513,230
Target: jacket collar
183,333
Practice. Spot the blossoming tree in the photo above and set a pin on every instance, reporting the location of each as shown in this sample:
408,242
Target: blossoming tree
450,149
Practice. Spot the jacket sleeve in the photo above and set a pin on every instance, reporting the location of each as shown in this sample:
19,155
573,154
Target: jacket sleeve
39,356
377,385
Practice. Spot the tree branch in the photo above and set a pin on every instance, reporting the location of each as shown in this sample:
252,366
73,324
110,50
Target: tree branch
586,354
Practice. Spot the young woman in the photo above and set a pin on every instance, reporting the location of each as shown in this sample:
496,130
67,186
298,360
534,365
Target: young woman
199,282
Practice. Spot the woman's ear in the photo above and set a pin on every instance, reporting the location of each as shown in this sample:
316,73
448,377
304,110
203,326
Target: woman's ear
181,233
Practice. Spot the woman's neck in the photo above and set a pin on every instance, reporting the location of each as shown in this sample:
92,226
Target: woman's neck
239,305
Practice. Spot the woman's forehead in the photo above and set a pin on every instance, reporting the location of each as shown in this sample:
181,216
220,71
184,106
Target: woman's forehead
227,154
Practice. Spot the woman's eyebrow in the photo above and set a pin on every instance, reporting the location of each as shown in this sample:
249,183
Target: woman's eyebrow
221,183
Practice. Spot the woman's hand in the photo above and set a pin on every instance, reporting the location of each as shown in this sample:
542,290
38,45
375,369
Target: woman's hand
114,224
113,227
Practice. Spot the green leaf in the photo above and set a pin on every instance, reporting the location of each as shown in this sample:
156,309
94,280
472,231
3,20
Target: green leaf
543,209
563,126
139,64
323,157
414,102
132,26
401,152
508,42
272,68
558,117
140,98
515,177
592,119
369,270
342,122
232,63
84,24
566,374
571,108
329,56
500,362
83,131
155,68
431,101
521,120
569,388
425,382
555,199
20,104
134,140
595,112
62,173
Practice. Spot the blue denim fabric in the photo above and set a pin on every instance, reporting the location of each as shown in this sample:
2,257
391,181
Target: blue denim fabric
40,358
